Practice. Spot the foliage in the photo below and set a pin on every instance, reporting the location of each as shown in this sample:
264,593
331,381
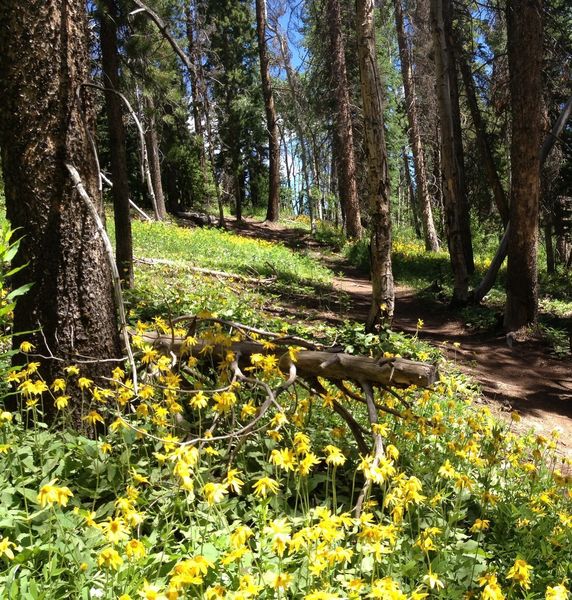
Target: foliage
233,253
155,499
459,502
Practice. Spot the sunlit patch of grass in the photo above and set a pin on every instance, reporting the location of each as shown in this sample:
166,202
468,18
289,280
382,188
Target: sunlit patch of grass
222,250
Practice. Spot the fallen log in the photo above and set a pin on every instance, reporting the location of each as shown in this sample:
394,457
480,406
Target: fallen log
197,218
336,366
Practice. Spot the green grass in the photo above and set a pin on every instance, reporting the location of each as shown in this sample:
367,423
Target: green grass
222,250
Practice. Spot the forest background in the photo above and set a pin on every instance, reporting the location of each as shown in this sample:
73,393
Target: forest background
169,429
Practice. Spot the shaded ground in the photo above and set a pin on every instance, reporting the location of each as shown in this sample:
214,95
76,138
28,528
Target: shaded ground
525,377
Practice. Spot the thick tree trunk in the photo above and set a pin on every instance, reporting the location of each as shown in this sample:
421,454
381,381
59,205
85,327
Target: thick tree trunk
346,168
152,143
383,297
70,311
424,198
452,189
524,33
273,211
114,110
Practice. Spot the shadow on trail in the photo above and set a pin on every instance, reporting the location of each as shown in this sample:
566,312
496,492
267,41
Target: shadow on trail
526,377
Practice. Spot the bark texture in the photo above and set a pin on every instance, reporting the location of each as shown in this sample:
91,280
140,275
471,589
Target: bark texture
419,163
273,211
524,32
383,297
114,109
449,166
152,143
43,60
483,142
346,167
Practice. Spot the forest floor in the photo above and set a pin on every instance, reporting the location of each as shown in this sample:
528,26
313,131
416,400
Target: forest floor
525,378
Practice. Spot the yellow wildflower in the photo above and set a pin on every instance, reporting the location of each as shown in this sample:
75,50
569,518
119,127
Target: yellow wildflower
265,485
520,572
109,558
51,494
93,417
135,549
214,492
558,592
6,548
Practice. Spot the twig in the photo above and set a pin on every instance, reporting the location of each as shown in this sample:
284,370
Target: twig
144,153
113,266
378,452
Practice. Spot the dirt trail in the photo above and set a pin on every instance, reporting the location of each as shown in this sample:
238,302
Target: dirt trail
525,377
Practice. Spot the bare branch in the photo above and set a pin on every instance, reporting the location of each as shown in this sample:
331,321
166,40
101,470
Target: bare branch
113,266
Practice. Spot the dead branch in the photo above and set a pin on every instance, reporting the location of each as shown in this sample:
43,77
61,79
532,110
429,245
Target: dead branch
397,372
145,156
113,266
214,273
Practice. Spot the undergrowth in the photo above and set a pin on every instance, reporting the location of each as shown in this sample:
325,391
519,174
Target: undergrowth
159,498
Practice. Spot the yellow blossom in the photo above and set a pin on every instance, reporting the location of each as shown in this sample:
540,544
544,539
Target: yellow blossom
109,558
520,572
480,525
491,588
558,592
264,486
51,494
115,530
233,481
280,530
61,402
6,548
93,417
151,592
214,492
134,549
280,581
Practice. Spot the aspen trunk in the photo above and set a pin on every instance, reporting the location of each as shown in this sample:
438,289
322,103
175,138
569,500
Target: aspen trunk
424,198
383,297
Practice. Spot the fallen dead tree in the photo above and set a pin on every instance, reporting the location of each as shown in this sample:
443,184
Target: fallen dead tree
310,366
334,366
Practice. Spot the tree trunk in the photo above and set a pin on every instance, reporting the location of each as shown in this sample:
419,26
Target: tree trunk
524,35
411,195
424,198
152,143
273,211
346,168
459,154
383,297
483,142
196,78
70,311
114,109
452,189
